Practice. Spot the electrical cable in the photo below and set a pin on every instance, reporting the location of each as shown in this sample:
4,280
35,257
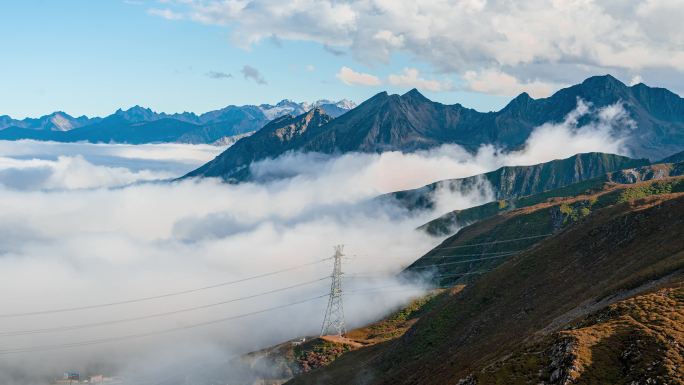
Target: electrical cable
493,242
150,316
152,333
166,295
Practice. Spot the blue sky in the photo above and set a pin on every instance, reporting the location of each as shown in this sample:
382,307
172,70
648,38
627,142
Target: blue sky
91,57
94,56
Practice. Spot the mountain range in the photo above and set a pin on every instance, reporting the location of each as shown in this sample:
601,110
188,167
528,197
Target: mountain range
411,122
142,125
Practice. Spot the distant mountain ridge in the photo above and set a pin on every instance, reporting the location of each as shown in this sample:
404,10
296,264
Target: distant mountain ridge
517,181
138,124
411,122
56,121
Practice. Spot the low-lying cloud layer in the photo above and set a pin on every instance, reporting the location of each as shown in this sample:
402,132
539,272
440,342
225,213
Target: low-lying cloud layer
31,165
70,244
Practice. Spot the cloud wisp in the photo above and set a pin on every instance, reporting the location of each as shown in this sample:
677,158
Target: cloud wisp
251,73
218,75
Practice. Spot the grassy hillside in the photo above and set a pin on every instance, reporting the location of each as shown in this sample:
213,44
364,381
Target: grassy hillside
450,222
634,341
552,312
463,256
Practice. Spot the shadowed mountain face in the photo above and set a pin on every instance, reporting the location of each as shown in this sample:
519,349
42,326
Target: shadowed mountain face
517,181
412,122
279,136
676,158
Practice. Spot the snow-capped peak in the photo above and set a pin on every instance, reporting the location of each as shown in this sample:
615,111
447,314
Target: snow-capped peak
287,106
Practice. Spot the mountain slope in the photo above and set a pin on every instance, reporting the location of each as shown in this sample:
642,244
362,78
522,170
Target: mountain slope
278,136
516,181
538,218
449,222
675,158
412,122
511,325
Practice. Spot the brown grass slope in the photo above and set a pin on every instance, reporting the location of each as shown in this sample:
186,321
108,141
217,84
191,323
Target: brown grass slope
635,341
615,253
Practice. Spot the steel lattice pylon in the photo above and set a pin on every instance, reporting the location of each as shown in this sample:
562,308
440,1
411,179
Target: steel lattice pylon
333,321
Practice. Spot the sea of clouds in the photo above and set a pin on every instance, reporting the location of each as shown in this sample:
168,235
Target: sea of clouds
84,224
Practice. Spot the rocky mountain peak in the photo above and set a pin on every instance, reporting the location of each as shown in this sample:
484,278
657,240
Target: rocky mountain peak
414,94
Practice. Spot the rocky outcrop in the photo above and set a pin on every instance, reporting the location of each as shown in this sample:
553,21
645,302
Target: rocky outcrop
646,173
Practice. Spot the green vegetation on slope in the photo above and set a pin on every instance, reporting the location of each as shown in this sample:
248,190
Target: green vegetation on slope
448,223
621,250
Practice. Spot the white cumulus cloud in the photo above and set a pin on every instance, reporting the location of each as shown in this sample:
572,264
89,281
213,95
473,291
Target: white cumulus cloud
556,42
500,83
350,77
410,77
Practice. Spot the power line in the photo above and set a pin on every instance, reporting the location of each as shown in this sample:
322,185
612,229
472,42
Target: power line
470,255
150,316
457,262
380,276
493,242
171,294
381,288
181,328
149,334
460,275
441,256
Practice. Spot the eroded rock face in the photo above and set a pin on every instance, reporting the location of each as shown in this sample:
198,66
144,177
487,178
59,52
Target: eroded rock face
470,380
563,367
646,173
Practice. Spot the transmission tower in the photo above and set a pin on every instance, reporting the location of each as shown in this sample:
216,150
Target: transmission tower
333,322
